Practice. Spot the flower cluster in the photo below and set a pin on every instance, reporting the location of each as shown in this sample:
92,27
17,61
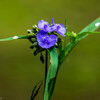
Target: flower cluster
44,36
46,40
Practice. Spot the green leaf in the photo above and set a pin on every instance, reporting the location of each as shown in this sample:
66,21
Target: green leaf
91,27
36,90
84,34
60,48
14,37
52,82
86,31
51,71
54,62
64,53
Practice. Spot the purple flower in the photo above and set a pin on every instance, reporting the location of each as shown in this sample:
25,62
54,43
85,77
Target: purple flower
44,40
59,28
43,25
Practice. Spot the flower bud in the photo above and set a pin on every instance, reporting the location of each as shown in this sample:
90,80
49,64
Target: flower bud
72,37
42,58
35,29
33,39
56,45
31,47
60,40
35,26
38,50
35,44
74,34
29,31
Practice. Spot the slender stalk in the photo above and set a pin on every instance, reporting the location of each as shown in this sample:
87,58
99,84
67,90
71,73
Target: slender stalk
46,66
66,32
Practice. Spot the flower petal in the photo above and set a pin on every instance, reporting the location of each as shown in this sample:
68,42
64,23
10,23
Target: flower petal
42,23
44,40
47,28
43,45
52,40
40,35
53,21
61,29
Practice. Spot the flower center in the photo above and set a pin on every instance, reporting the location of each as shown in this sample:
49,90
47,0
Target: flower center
59,25
46,23
46,39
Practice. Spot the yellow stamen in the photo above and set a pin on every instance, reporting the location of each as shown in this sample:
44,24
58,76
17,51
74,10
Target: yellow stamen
59,25
45,23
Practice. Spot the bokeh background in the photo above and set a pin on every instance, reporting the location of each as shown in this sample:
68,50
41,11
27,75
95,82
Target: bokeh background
79,76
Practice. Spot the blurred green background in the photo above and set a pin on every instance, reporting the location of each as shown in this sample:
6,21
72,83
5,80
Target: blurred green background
79,77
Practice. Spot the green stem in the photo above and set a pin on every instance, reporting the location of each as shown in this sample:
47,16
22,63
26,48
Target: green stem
46,67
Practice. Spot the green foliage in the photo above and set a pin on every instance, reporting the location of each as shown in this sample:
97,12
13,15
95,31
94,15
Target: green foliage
84,34
55,60
64,53
36,90
14,37
51,71
91,27
66,32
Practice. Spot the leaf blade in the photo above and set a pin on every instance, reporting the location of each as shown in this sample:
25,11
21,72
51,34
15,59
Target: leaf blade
84,34
37,88
54,62
52,71
68,48
14,37
92,26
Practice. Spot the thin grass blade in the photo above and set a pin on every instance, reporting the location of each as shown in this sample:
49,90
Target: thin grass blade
66,32
14,37
91,27
84,34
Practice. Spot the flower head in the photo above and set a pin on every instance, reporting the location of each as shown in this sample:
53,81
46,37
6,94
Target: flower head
59,28
46,41
43,25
